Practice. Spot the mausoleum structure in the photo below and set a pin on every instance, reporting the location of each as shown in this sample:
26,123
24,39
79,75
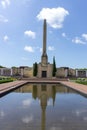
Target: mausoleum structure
44,67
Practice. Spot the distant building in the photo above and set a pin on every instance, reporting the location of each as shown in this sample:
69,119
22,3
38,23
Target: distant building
82,73
5,71
22,71
15,71
64,72
72,72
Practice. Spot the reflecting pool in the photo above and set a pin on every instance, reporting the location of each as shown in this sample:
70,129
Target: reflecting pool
43,107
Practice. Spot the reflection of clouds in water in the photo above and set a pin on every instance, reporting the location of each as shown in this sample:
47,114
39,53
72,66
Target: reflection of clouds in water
85,118
79,112
50,103
27,102
63,119
27,119
2,114
56,128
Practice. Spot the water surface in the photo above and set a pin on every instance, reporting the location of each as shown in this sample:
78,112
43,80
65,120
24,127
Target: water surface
43,107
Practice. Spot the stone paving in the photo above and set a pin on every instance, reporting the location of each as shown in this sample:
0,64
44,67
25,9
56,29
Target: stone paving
78,87
11,85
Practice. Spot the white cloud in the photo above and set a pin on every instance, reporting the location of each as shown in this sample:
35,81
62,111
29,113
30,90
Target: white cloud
3,19
40,49
29,48
49,103
27,119
51,48
85,119
5,3
78,40
63,34
5,38
84,36
54,16
27,102
2,114
31,34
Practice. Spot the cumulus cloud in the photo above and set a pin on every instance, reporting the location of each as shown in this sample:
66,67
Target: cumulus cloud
78,40
31,34
27,102
49,103
40,49
63,34
27,119
54,16
29,49
51,48
5,3
5,38
3,19
2,114
84,36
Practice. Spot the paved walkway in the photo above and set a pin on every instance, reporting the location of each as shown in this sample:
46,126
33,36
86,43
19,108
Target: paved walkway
78,87
6,87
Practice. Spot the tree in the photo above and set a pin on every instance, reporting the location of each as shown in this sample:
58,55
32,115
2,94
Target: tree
2,66
54,67
35,69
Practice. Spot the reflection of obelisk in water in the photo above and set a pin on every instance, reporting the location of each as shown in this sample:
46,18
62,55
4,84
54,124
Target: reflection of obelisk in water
44,53
43,106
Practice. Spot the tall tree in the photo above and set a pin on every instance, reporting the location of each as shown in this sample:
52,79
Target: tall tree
54,67
35,69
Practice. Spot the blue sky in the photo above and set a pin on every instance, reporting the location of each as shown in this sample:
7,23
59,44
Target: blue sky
21,28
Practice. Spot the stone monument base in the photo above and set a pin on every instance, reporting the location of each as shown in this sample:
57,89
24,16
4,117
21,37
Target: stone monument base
44,71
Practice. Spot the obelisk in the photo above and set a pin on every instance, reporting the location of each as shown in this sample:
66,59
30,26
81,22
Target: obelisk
44,58
44,37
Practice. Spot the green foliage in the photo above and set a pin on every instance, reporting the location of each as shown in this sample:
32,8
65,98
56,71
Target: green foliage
81,68
14,67
54,67
6,79
1,66
35,69
81,81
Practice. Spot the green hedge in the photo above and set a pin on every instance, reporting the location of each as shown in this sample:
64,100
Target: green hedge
82,82
5,81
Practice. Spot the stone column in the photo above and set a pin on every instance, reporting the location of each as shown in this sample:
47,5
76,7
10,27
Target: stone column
66,73
86,73
1,71
76,73
11,71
